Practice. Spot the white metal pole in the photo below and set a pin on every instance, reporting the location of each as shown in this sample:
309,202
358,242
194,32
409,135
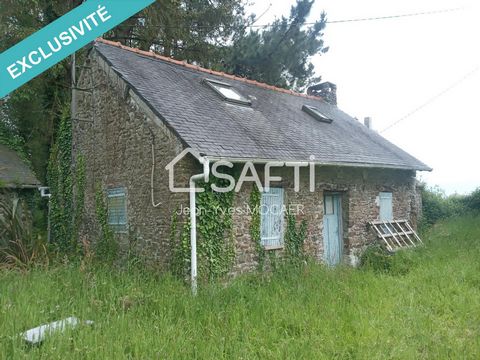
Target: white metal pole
193,237
193,221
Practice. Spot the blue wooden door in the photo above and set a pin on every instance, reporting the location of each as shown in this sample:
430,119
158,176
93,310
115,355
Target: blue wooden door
332,233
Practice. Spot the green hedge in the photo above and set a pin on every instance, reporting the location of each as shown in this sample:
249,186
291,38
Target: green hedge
437,205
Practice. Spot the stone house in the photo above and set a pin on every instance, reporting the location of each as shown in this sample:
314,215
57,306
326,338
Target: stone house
135,112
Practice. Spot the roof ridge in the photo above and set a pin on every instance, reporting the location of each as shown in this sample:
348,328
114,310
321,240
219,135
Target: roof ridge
205,70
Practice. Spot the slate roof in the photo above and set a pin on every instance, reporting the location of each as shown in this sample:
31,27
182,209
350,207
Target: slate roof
14,173
274,127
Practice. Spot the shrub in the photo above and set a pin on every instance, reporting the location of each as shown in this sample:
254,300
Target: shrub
376,258
473,200
437,206
18,245
379,260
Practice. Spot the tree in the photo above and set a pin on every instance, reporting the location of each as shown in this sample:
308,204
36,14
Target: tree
191,30
32,112
280,54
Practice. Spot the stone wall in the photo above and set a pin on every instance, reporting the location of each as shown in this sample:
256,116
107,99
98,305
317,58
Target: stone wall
359,189
115,130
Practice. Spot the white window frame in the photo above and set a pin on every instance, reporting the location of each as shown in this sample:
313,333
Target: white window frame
119,225
271,215
216,85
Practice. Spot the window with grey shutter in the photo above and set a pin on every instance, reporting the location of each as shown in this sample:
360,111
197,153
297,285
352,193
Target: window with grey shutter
386,207
271,210
117,209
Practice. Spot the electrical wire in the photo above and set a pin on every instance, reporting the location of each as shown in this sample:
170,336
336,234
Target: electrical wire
434,12
373,18
433,98
259,17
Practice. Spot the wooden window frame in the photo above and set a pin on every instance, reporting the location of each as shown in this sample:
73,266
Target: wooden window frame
269,243
115,193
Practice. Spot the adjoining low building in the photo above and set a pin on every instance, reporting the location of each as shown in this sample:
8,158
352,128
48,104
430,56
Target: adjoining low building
138,111
17,180
15,174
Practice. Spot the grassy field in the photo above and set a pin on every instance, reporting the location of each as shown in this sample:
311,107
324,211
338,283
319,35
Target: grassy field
427,306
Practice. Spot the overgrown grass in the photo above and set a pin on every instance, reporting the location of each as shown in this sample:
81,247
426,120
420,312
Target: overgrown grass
431,311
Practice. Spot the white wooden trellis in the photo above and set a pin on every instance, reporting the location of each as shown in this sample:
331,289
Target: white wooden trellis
396,234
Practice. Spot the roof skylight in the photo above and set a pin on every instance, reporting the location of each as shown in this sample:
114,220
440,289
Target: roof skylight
317,114
227,92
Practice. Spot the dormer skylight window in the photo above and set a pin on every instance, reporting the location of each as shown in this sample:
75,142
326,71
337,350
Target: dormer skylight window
317,114
227,92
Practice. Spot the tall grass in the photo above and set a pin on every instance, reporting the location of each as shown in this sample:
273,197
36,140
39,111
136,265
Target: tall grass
18,246
432,311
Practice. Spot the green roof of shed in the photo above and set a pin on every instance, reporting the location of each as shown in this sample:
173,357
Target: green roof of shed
14,172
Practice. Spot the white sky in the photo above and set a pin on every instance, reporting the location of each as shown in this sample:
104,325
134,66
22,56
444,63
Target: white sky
387,68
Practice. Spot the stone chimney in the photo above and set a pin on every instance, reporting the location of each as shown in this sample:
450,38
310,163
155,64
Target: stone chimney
326,90
368,122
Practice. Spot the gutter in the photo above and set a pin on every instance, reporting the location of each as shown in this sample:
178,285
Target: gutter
319,163
193,220
20,187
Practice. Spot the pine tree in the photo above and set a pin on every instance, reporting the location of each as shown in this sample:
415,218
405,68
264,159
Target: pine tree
280,54
192,30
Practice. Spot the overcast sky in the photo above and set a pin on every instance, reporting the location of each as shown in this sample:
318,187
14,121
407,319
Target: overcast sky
386,69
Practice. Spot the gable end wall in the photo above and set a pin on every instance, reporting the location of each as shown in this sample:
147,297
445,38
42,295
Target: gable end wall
114,130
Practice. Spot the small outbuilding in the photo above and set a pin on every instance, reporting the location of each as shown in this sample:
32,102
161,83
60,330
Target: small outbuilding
15,174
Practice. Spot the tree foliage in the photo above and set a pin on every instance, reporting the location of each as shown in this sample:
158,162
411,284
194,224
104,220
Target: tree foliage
436,205
191,30
32,112
280,54
216,34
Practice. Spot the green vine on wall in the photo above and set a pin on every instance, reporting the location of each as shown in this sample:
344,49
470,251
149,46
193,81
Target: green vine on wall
216,246
254,204
106,248
80,183
67,186
215,243
180,249
295,239
215,238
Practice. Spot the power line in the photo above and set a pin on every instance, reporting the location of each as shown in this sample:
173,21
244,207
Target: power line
375,18
261,15
434,12
386,17
433,98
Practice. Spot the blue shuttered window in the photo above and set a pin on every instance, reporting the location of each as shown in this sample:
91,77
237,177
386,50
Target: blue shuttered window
117,209
271,210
